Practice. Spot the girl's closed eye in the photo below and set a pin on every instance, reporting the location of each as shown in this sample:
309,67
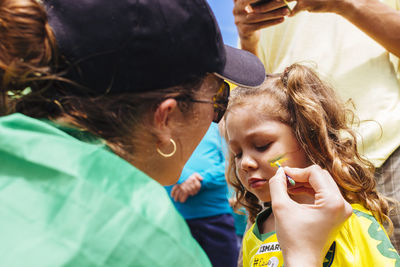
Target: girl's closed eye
262,148
237,155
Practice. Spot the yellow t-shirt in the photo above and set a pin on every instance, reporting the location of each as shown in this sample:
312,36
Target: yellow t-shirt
362,241
359,68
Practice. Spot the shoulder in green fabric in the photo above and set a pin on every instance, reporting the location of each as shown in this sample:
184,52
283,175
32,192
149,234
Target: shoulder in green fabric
79,134
82,202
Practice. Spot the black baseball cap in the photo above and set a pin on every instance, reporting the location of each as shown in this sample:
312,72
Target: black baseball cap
142,45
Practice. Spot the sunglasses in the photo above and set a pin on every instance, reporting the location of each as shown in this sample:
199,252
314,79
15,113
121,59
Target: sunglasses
219,101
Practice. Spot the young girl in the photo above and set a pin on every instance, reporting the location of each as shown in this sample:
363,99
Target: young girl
296,117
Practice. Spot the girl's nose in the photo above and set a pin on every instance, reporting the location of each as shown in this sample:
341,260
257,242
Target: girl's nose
248,163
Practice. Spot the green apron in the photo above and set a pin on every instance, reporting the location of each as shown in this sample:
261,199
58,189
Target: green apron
66,200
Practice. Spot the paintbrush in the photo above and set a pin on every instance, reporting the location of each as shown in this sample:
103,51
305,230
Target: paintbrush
276,162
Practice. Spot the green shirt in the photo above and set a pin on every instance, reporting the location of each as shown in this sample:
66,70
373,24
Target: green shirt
66,200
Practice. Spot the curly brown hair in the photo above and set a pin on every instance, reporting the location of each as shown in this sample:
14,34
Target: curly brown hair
321,124
27,49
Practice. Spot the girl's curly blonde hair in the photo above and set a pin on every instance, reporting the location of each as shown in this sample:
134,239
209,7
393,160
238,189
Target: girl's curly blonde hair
321,124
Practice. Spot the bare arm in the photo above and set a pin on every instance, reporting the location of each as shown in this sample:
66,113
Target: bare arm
379,21
190,187
250,20
376,19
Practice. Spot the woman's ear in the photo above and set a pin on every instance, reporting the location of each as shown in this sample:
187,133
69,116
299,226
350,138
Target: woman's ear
164,119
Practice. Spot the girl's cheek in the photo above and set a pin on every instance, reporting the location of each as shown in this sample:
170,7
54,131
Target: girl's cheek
240,177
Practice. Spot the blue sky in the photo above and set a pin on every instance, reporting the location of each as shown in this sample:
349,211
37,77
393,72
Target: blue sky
223,12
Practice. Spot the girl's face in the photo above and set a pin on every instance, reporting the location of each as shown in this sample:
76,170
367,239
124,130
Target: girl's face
255,140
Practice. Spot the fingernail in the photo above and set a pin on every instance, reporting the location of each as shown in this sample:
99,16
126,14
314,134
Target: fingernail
286,12
249,9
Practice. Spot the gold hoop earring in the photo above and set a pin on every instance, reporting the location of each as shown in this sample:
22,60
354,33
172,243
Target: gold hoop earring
169,154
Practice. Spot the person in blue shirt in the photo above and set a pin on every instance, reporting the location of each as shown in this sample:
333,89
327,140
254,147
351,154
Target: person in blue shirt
201,197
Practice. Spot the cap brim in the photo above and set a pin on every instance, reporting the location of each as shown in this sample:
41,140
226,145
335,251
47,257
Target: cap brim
242,68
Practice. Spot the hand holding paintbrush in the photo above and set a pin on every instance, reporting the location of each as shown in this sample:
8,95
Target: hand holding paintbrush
276,162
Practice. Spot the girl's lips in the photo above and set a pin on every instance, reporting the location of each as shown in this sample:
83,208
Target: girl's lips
256,182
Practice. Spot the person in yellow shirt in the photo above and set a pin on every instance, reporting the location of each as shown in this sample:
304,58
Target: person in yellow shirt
356,45
295,119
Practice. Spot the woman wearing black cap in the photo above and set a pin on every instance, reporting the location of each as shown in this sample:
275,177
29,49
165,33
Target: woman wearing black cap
137,84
